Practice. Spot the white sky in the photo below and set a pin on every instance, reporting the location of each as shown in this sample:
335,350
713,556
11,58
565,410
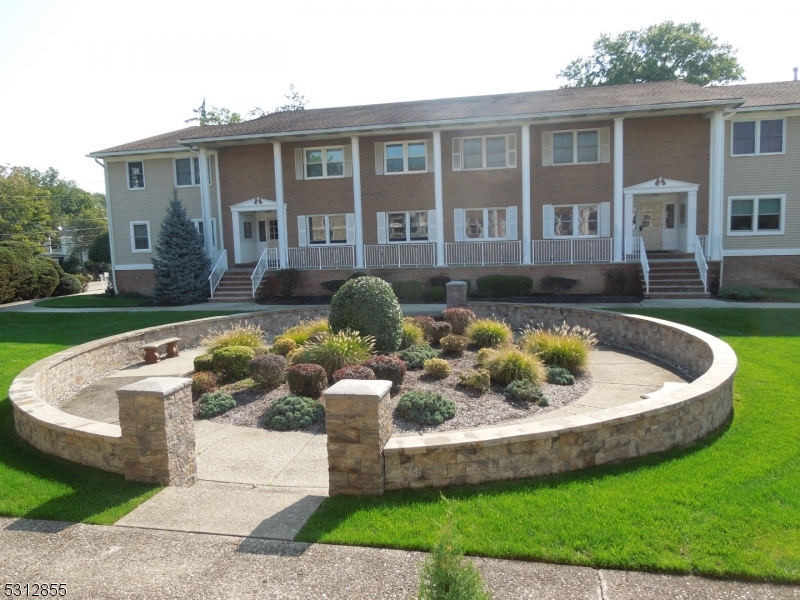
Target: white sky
79,76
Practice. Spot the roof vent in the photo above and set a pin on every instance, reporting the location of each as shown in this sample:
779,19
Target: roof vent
795,73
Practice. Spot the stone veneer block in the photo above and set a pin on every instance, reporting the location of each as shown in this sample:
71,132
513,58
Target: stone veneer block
456,294
155,416
358,420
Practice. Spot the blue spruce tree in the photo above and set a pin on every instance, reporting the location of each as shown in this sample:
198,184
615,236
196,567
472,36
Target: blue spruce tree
181,267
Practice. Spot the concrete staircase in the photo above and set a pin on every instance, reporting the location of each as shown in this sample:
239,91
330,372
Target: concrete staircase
674,275
235,286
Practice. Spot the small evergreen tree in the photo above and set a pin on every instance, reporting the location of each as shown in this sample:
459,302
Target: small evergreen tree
181,267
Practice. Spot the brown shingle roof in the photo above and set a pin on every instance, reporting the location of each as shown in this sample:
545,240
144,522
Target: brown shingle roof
164,141
781,93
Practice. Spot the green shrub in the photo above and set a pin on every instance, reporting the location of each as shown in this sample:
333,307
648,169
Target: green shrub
204,362
437,294
459,319
439,280
500,286
10,273
335,350
306,380
483,356
479,380
488,333
357,372
557,285
288,278
268,369
247,335
43,280
437,367
396,287
415,356
521,390
368,306
739,292
561,346
283,346
68,285
426,408
230,362
215,403
469,285
387,367
203,383
440,329
304,331
559,375
293,412
508,364
410,290
425,322
623,281
333,285
357,274
412,334
454,344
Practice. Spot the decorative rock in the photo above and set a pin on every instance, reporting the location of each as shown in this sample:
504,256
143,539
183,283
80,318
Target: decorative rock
456,294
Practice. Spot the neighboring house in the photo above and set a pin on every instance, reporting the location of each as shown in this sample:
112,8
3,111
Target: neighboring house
573,182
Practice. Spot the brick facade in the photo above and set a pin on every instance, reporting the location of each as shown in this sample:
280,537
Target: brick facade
141,281
762,271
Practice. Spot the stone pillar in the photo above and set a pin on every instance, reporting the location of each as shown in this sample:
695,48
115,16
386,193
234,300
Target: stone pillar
155,416
358,419
456,294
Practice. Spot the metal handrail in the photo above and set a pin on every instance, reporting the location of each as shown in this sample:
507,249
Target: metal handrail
262,266
218,270
645,266
702,264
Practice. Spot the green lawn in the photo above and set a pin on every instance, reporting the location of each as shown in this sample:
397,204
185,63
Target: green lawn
790,295
728,506
38,486
92,301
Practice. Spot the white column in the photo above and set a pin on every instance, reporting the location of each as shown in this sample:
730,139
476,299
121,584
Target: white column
356,156
205,201
619,212
283,238
220,231
237,241
691,220
526,193
627,223
438,197
715,186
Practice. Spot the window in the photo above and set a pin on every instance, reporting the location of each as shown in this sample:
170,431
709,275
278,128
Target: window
579,220
140,236
198,223
763,136
273,229
759,215
187,171
485,224
324,162
406,157
247,227
683,214
407,226
327,229
575,147
135,175
487,152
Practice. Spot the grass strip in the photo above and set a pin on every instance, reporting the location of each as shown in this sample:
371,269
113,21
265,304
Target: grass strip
93,301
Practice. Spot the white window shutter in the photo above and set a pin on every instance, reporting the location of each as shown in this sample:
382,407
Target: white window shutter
548,219
378,158
456,154
605,219
458,224
302,231
511,222
511,151
430,164
350,223
381,227
432,226
547,148
348,161
299,169
605,145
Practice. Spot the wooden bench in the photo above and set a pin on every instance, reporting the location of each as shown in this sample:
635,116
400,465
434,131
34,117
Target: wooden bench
151,349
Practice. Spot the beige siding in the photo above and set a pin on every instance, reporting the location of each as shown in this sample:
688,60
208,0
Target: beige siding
760,175
150,203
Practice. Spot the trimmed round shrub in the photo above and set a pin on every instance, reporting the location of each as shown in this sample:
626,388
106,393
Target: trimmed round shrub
439,280
357,274
553,284
439,329
425,323
333,285
479,380
335,350
215,403
506,365
283,346
293,412
387,367
230,363
568,352
412,334
483,356
559,375
500,286
356,372
459,319
44,278
204,362
10,273
426,408
521,390
454,344
415,356
268,369
203,382
306,380
437,367
368,305
437,294
488,333
740,292
411,290
301,333
68,285
246,335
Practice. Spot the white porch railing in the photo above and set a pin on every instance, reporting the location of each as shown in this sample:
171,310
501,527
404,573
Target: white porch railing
484,253
645,266
322,257
700,259
218,267
267,261
632,246
570,251
400,255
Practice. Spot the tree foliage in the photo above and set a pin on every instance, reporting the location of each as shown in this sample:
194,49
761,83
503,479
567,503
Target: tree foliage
660,52
224,116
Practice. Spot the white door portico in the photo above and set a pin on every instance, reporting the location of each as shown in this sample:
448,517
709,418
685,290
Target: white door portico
667,215
247,234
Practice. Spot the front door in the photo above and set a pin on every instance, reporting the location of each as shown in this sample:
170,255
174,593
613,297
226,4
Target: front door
247,237
669,234
650,222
